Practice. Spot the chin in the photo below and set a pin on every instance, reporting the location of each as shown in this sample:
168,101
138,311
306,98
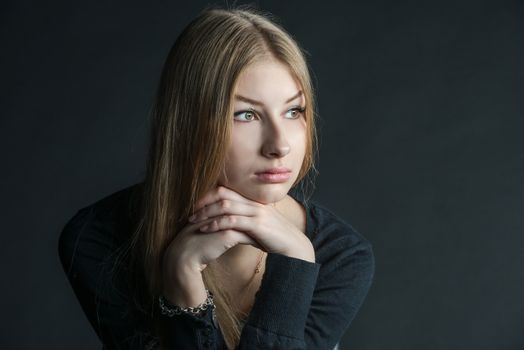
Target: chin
264,194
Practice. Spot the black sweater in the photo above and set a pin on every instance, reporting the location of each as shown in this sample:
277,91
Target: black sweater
300,304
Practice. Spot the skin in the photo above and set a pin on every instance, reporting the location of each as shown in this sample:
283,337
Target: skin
243,215
274,135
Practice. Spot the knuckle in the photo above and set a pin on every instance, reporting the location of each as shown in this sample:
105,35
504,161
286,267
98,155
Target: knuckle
224,204
232,219
221,190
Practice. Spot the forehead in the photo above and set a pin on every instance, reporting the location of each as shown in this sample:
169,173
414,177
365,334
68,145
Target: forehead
269,81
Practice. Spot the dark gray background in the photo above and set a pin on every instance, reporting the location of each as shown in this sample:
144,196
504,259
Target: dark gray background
421,151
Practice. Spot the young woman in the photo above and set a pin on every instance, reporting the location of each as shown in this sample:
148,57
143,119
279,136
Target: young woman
217,247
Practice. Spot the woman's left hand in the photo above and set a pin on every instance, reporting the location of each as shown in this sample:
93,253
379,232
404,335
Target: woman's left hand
225,209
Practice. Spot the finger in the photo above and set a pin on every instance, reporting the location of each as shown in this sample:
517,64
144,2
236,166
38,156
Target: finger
234,237
229,222
223,207
220,192
196,227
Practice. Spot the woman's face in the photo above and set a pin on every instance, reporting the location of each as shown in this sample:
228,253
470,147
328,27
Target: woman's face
269,132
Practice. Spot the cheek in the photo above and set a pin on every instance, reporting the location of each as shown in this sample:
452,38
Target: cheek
241,152
299,144
298,137
245,140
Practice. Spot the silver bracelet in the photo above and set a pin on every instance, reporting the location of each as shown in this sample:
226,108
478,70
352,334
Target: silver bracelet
170,310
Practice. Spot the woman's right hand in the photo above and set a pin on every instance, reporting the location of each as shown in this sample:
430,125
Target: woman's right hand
193,250
188,255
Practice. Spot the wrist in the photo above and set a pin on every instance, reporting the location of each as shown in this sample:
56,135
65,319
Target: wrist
170,309
185,289
304,251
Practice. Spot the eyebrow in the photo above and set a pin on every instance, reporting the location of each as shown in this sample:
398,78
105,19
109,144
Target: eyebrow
255,102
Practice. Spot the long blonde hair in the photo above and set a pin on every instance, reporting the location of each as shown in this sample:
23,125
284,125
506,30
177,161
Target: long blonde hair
190,129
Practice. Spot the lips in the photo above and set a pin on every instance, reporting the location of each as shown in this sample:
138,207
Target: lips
278,170
274,177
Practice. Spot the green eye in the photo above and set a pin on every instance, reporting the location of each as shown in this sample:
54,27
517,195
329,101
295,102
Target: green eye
297,112
248,115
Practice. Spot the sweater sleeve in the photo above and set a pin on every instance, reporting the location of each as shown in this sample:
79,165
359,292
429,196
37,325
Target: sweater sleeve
86,249
304,305
340,292
278,317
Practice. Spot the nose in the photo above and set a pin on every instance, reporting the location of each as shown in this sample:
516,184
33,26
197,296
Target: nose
275,142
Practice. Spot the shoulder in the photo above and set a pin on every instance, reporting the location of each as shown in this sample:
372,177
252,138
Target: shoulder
337,243
97,229
327,224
